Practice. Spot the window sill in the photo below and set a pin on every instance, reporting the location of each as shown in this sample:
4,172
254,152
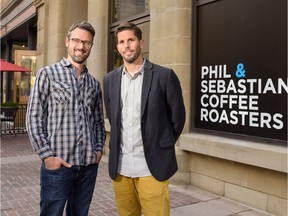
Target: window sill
267,156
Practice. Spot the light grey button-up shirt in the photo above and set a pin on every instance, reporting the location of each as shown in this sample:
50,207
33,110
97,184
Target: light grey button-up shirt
132,162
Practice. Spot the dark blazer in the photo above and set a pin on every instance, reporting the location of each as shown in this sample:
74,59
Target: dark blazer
162,118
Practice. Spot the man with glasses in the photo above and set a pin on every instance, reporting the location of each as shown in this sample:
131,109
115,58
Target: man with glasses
65,125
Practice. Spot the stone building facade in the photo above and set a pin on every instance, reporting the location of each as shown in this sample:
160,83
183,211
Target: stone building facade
248,171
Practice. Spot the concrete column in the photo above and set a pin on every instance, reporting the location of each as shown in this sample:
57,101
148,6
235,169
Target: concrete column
32,37
98,13
170,41
56,30
170,46
41,38
54,19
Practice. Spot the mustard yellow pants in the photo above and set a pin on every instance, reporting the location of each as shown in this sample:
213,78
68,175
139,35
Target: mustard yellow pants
146,193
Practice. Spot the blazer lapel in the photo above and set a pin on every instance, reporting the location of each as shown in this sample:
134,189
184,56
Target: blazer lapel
148,74
117,92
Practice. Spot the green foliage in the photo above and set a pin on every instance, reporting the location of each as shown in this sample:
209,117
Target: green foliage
9,104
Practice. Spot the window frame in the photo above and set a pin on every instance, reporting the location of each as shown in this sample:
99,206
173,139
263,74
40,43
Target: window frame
193,110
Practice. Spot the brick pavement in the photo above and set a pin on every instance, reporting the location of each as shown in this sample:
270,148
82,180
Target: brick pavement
20,183
20,168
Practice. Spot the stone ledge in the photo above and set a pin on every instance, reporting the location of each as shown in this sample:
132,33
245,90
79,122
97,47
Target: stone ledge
247,152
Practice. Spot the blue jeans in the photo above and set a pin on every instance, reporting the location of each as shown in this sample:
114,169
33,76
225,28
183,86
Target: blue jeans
73,185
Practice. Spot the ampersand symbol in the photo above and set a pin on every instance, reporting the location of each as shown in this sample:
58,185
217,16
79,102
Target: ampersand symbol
240,72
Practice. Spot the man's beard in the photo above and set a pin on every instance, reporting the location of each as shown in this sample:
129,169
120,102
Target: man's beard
132,58
79,58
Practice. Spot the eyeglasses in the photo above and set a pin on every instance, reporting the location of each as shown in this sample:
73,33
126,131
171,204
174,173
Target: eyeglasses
77,41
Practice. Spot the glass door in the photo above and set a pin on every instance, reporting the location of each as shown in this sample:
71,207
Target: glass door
23,81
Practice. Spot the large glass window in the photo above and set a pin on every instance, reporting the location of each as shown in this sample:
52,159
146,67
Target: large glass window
241,79
24,81
28,77
123,9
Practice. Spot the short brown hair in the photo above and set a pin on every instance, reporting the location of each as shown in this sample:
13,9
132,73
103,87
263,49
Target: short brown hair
128,26
82,25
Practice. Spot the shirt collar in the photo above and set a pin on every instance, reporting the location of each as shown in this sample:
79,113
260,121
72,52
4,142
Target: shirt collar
66,63
141,69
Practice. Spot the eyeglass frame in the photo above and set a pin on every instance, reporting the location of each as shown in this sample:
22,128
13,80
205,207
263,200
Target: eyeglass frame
86,43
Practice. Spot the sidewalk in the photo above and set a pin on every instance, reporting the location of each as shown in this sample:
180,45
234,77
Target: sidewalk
20,188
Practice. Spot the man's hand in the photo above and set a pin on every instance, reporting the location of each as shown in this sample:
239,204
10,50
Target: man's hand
53,163
99,156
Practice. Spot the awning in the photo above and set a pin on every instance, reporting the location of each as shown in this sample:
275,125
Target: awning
9,67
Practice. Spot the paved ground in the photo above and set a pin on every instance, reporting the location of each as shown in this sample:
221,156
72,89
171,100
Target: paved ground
20,188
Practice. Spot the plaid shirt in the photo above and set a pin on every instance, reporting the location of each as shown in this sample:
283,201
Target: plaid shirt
57,103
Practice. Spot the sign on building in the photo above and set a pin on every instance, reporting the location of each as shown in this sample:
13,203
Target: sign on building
241,67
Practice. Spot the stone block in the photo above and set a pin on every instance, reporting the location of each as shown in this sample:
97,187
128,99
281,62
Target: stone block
277,206
207,183
246,196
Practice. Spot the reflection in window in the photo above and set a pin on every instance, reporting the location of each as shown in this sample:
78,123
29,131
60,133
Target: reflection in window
26,78
126,8
25,84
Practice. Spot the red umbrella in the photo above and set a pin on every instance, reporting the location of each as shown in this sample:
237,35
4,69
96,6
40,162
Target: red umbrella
9,67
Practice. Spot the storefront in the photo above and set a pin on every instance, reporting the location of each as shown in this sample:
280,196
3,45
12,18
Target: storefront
231,59
241,68
18,46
